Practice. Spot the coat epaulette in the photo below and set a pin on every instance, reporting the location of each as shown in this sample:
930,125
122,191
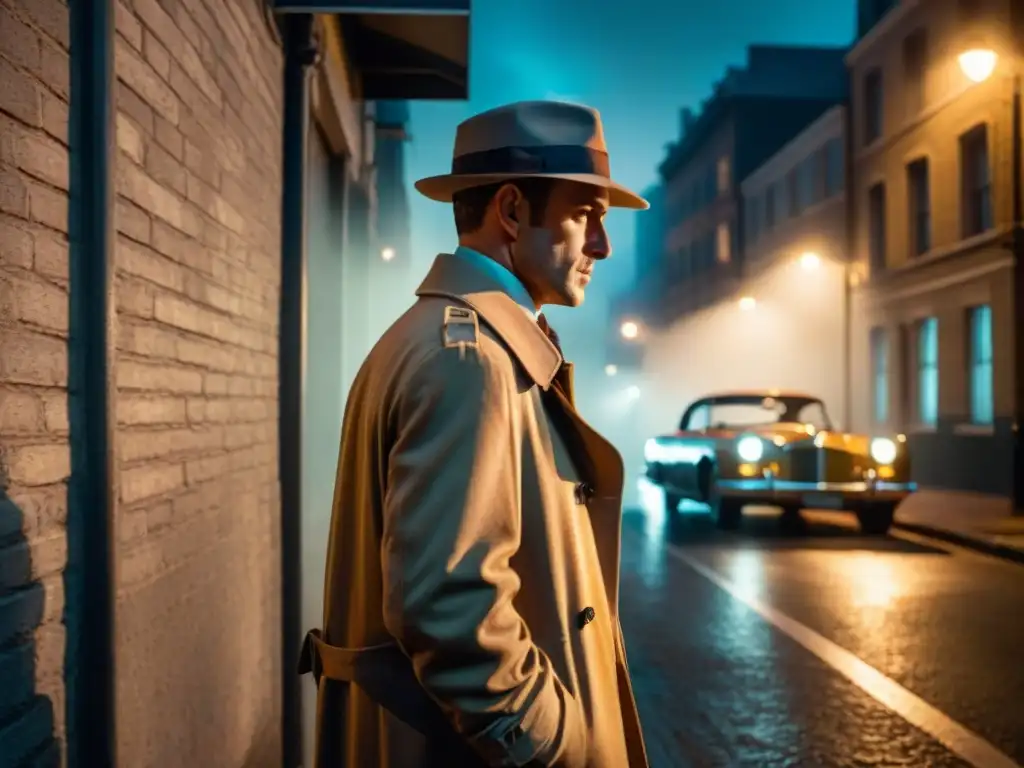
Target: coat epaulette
461,328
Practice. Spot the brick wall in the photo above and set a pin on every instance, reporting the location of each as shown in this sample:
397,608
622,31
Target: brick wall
199,110
34,458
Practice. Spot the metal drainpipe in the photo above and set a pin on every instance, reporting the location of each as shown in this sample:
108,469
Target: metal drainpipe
91,574
300,55
850,239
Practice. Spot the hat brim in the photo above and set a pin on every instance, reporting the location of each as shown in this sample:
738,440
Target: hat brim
441,188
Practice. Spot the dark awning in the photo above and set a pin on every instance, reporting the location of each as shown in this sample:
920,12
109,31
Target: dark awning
404,49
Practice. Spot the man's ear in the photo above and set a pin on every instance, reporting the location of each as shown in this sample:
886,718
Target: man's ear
508,204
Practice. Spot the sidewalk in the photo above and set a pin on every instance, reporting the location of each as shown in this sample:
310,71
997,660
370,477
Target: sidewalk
971,519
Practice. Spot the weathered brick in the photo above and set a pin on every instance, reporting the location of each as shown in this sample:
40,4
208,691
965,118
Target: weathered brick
15,246
55,411
34,302
21,43
141,444
139,261
43,509
20,412
13,191
32,358
148,340
132,221
157,378
49,555
33,465
166,169
148,481
140,77
127,25
157,55
54,69
50,252
55,116
133,106
19,94
37,154
130,139
170,138
146,193
48,206
51,17
134,297
150,410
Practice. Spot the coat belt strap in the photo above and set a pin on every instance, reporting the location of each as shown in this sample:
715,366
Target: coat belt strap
383,672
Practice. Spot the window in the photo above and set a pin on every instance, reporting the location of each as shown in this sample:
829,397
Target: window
769,208
835,163
722,244
792,197
880,375
753,215
876,226
980,357
807,187
872,106
915,62
928,371
919,207
724,175
976,183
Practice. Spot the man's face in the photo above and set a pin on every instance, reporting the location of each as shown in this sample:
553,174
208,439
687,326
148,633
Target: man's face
555,260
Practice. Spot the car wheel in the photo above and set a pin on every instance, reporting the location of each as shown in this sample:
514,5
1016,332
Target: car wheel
876,519
727,513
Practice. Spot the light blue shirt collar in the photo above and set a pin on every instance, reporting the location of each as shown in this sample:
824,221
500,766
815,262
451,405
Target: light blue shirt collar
509,282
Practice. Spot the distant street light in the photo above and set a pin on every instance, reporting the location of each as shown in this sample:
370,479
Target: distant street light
633,392
387,254
810,261
629,330
748,303
611,370
978,64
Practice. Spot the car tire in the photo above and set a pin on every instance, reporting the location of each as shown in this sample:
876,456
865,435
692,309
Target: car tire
876,519
727,513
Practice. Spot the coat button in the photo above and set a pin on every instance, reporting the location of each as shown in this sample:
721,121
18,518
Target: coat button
583,492
586,616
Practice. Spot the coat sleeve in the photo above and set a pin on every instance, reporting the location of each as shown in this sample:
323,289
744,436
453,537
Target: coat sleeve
452,521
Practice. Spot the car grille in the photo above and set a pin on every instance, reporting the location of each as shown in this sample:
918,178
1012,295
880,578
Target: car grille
806,465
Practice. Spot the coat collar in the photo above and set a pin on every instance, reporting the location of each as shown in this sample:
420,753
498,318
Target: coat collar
462,281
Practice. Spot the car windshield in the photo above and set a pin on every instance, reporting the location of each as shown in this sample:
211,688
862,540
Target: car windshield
736,413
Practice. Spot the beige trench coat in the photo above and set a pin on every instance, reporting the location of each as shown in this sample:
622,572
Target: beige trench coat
477,523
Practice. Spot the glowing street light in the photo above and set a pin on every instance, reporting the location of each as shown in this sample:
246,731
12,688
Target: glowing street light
810,261
611,370
748,303
387,253
629,330
978,64
633,393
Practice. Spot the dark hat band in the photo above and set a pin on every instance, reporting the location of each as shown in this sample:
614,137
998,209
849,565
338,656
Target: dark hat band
561,159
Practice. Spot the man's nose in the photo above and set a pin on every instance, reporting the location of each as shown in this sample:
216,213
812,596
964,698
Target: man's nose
598,245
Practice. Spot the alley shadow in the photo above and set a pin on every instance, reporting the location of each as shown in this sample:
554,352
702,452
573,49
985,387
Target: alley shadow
26,717
765,528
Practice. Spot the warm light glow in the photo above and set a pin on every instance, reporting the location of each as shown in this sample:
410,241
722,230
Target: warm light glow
810,261
629,330
611,370
747,303
387,254
633,392
978,64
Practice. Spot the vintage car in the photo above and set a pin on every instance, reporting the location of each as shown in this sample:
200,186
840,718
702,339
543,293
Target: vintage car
777,449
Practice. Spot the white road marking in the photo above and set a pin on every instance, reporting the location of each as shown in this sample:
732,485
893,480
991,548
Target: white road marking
915,710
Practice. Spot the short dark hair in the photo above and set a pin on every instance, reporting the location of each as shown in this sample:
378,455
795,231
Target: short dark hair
470,205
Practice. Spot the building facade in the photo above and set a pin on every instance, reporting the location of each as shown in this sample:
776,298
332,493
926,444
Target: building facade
930,219
795,257
188,204
752,112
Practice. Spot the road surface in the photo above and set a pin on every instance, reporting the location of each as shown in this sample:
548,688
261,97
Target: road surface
821,647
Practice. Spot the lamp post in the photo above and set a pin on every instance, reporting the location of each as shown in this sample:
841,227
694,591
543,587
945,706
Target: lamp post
978,64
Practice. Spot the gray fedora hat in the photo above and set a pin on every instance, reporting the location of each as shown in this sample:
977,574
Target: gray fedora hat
528,139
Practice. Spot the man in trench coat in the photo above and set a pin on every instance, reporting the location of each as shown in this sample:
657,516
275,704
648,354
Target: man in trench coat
471,594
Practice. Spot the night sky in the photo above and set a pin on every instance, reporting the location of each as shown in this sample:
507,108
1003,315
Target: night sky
637,62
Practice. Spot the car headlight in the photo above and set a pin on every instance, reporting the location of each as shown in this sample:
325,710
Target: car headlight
883,450
750,448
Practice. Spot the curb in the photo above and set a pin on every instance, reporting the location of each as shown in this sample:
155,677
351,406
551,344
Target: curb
995,549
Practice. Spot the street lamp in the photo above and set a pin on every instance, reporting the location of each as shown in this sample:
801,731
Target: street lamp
978,64
810,261
387,253
611,370
748,303
629,330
